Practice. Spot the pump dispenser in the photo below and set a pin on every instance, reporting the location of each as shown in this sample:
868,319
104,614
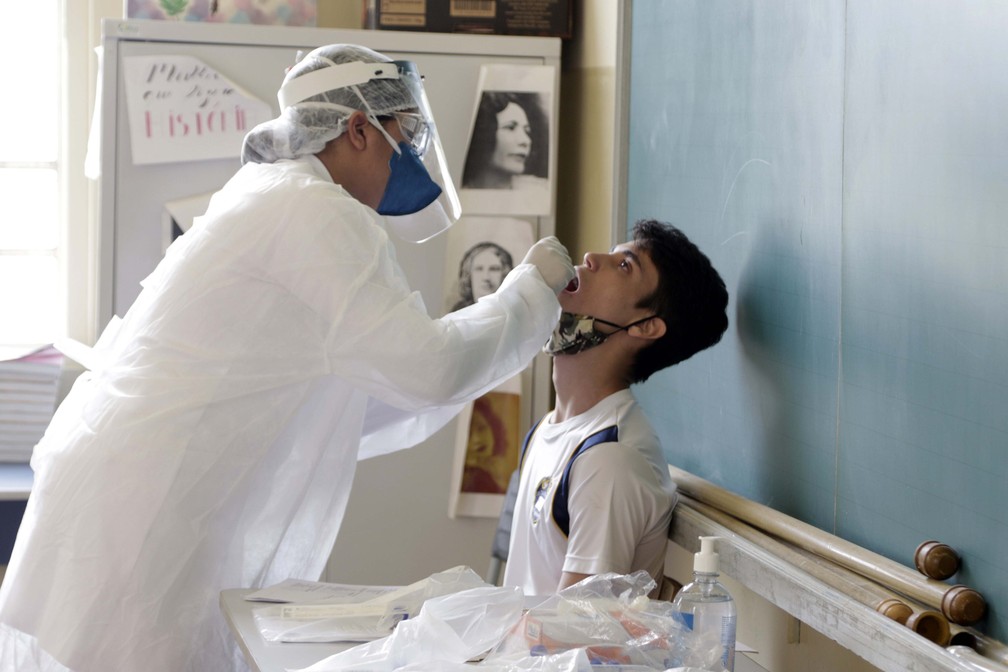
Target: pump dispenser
707,609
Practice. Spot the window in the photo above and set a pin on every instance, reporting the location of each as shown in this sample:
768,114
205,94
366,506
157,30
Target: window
32,289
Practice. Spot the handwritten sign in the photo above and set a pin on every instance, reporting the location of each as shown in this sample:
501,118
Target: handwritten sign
181,109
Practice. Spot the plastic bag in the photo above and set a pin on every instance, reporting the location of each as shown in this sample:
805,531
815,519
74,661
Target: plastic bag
358,621
353,622
608,616
604,623
449,630
569,661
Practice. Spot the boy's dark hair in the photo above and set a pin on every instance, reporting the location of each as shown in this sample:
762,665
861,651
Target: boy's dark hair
691,298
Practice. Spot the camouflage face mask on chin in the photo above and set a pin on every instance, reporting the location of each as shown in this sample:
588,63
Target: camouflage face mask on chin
575,333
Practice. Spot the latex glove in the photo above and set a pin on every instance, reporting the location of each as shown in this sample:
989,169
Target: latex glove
550,257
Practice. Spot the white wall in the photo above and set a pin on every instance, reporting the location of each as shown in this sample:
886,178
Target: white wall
396,529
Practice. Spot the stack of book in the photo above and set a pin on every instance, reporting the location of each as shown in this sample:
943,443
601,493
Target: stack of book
29,382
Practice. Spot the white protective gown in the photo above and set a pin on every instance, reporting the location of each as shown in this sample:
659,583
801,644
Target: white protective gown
215,442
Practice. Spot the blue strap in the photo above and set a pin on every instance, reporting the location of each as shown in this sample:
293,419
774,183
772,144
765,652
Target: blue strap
528,439
561,516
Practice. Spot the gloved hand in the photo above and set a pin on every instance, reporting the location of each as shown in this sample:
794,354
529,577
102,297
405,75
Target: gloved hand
554,263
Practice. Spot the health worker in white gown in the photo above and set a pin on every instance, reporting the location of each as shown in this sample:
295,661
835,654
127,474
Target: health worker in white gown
214,442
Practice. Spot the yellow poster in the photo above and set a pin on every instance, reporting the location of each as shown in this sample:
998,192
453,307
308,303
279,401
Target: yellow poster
492,450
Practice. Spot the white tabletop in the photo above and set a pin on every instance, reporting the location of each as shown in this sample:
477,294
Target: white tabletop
263,656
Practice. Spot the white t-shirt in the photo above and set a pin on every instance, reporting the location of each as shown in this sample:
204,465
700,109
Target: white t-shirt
619,499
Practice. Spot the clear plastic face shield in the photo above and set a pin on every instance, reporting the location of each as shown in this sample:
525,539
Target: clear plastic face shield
417,127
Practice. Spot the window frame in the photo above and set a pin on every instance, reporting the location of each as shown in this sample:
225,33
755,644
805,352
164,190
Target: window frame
78,194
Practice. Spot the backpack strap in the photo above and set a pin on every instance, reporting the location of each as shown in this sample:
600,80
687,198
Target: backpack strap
561,516
528,440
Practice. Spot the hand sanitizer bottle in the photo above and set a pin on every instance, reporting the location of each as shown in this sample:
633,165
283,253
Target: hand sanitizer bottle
706,608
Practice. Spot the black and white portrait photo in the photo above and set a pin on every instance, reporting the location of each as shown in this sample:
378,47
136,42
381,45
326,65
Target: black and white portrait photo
509,148
480,252
508,159
481,272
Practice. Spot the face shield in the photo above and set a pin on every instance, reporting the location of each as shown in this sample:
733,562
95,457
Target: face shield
415,120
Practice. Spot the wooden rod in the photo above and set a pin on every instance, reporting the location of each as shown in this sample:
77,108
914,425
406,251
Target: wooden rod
898,611
959,603
925,622
981,643
978,662
936,560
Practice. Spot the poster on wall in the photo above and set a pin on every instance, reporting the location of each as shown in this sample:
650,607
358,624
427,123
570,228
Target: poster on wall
181,109
480,252
507,164
488,441
269,12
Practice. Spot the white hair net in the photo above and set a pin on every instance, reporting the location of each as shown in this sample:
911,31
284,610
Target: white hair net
306,127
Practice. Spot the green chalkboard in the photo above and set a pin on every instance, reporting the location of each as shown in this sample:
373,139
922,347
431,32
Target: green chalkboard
845,166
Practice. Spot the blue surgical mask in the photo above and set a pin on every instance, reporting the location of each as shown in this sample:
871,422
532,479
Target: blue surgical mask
410,188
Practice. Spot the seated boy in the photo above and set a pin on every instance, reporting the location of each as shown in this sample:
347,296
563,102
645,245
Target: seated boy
595,494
